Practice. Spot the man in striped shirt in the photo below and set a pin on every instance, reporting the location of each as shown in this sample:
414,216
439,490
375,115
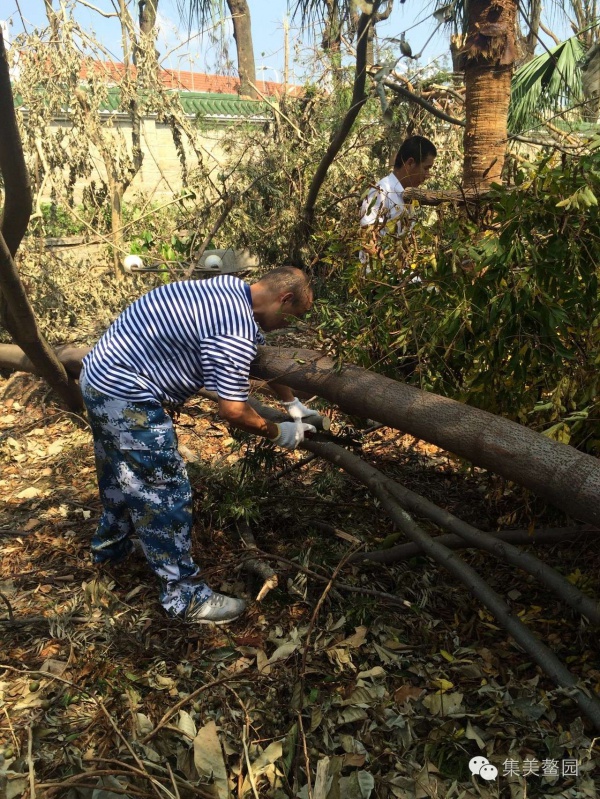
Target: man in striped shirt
162,349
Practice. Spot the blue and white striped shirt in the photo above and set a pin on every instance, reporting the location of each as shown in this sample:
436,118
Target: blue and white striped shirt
177,339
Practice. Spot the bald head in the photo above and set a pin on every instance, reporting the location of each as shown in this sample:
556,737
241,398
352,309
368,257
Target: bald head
286,279
280,294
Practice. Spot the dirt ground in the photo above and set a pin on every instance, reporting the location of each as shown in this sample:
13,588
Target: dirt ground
102,696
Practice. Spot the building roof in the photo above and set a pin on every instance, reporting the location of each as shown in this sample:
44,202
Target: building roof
205,105
185,81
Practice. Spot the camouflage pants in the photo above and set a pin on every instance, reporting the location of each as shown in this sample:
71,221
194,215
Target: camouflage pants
144,488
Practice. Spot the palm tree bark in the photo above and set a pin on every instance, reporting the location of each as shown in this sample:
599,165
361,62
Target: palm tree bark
242,33
487,58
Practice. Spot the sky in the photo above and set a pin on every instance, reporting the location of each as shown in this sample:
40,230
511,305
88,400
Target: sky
204,52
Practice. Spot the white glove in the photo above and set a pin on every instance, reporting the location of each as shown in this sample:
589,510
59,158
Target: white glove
290,434
297,410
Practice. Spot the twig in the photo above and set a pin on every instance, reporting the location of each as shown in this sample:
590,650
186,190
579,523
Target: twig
172,776
12,732
155,785
30,762
11,617
188,698
292,468
304,749
72,782
311,626
318,606
180,782
245,736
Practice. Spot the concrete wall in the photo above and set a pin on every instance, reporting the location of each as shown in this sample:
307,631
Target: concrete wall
161,175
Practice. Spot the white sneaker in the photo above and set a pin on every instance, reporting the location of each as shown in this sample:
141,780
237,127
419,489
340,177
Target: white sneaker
217,609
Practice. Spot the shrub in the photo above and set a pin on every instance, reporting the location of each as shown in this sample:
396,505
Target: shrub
507,314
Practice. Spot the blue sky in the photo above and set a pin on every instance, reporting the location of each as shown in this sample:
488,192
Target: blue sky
205,53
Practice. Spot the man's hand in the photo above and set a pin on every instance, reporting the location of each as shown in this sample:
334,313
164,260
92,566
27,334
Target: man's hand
298,411
290,434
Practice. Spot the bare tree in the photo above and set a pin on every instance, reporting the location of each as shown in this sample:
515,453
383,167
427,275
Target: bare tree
17,313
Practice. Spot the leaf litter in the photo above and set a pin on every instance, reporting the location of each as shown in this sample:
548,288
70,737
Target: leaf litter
102,696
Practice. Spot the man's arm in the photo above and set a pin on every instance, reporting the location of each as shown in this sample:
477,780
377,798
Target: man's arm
284,393
243,415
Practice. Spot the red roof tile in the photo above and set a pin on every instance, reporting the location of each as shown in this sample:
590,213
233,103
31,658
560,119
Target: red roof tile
182,80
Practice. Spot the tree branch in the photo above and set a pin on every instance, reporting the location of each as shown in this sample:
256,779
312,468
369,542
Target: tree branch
550,536
397,88
359,98
379,485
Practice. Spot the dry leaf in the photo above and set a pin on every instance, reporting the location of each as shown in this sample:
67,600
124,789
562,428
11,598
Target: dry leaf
406,692
443,704
28,493
208,758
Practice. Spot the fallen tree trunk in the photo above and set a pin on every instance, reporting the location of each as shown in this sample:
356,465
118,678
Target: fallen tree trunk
566,478
557,472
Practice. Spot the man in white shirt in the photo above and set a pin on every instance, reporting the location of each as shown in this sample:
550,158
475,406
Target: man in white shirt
385,201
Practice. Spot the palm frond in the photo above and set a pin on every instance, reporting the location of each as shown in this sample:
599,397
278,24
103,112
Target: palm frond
316,12
551,82
200,12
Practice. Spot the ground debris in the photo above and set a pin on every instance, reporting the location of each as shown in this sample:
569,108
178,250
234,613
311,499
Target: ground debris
105,696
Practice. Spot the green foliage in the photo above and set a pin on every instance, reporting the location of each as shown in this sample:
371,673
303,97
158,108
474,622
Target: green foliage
507,316
549,82
233,491
56,222
274,167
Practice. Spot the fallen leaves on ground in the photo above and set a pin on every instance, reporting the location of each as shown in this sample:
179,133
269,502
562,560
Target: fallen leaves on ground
102,696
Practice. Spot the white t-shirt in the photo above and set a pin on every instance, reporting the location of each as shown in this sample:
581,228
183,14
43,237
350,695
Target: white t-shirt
384,201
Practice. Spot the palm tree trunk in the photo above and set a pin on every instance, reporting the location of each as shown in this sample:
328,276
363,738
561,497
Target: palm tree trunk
487,58
242,33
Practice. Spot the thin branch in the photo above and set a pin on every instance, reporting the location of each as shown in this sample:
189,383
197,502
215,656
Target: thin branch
188,698
106,14
418,100
409,550
11,616
140,765
30,764
380,486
